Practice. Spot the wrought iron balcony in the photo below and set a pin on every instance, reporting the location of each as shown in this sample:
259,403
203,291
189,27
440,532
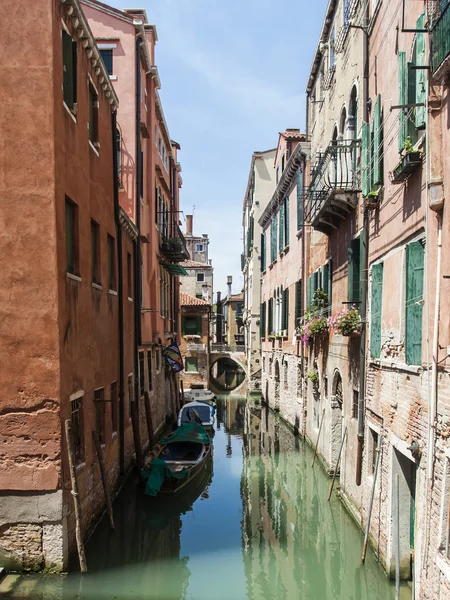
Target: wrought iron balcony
174,247
335,181
440,39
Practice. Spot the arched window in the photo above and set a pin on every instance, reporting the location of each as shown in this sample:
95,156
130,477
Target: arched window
343,123
352,122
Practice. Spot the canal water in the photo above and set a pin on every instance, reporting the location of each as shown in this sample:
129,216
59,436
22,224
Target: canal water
258,527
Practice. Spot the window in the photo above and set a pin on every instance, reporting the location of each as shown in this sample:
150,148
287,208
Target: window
107,56
355,404
200,277
281,242
191,325
325,386
191,364
277,176
149,370
111,263
414,306
69,49
354,271
76,407
199,296
141,374
331,49
93,115
72,248
129,275
199,248
270,319
262,321
282,163
114,406
263,251
99,403
130,394
273,239
285,309
158,359
299,182
375,310
95,252
298,302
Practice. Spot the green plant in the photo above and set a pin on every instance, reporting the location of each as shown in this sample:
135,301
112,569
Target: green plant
313,376
408,146
372,196
346,322
319,299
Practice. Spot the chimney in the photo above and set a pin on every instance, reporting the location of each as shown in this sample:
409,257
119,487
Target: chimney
189,224
229,282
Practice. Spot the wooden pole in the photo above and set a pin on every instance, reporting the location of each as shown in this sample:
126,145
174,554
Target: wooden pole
375,473
336,468
101,462
76,497
318,436
149,416
182,394
136,435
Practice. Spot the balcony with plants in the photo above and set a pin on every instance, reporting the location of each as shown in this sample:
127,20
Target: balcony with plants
174,247
410,160
335,181
314,323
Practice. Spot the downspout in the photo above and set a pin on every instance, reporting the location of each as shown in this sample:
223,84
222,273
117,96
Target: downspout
364,269
120,301
137,251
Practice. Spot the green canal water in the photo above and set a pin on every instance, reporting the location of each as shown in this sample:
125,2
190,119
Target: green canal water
258,527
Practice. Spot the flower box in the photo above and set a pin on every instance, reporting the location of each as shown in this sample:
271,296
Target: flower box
346,322
409,163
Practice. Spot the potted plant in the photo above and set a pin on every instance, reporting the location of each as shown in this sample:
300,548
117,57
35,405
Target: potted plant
313,376
410,160
372,199
314,322
346,322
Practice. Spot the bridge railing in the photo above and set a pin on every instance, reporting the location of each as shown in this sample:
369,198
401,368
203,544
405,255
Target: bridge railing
227,348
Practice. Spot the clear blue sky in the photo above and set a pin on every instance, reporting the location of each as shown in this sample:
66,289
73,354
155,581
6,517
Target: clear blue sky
233,74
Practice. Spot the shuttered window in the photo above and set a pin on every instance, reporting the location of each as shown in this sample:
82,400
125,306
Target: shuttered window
325,283
421,77
313,284
262,321
354,270
377,164
273,239
270,317
285,309
414,308
263,252
402,97
298,301
191,325
69,50
286,221
281,230
375,310
299,181
365,159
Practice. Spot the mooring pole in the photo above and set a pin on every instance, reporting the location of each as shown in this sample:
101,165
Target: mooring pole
336,468
375,473
101,463
76,497
136,435
318,436
397,541
149,417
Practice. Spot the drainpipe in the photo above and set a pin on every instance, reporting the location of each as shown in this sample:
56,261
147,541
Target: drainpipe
364,271
137,252
120,300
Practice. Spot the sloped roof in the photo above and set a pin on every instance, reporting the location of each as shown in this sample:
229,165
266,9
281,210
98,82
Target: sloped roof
293,134
193,263
188,300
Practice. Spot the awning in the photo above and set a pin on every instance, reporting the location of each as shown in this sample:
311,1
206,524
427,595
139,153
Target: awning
174,269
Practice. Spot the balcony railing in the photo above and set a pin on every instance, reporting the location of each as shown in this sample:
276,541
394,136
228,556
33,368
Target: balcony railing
440,38
174,247
335,179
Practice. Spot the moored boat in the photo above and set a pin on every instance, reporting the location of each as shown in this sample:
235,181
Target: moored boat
177,460
194,394
198,411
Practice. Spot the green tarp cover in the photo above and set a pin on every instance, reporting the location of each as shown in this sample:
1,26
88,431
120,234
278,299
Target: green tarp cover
154,476
191,432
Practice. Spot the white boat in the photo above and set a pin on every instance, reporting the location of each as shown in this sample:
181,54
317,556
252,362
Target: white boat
197,410
194,394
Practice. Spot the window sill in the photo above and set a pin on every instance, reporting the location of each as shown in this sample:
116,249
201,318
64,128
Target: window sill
113,77
96,286
74,277
93,148
112,292
396,366
71,112
193,372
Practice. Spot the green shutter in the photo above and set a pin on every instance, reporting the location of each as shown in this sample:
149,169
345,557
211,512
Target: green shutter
326,282
283,309
365,158
375,311
414,308
263,252
421,77
286,221
411,121
299,181
252,229
262,320
270,317
402,98
377,144
273,239
281,229
183,325
354,270
298,301
314,284
199,326
308,293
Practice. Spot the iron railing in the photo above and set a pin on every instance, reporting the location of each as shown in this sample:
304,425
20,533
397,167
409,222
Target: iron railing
440,35
174,247
335,170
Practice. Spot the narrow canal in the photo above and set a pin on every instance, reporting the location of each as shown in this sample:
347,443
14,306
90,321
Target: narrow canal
258,527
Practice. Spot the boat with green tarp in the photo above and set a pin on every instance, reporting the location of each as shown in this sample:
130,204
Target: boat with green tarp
177,460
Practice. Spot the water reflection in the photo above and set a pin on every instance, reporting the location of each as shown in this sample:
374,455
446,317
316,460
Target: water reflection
258,526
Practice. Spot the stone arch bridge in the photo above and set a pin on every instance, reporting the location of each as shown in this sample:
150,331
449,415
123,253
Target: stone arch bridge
228,367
